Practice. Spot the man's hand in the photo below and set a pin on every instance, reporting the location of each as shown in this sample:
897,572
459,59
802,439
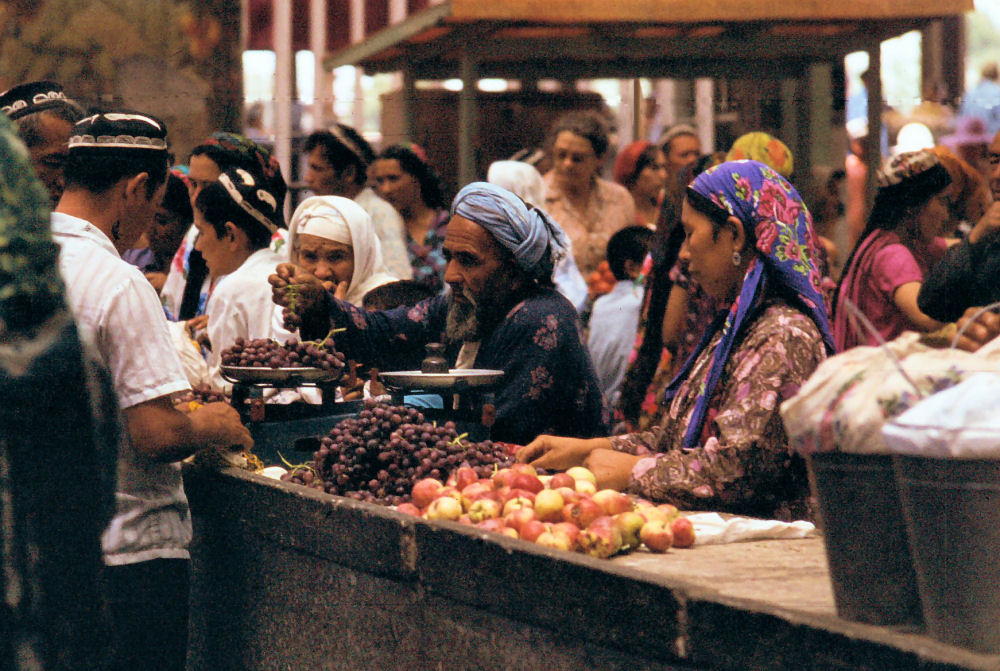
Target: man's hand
222,422
987,226
160,432
300,293
978,332
557,453
612,469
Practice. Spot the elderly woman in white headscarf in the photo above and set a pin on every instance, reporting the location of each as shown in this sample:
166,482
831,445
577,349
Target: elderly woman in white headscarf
333,238
501,312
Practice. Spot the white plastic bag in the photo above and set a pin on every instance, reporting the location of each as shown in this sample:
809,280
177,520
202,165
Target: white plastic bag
195,366
959,423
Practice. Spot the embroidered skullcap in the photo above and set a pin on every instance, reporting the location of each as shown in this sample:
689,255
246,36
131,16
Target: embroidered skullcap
535,240
32,97
906,167
770,151
231,150
252,198
676,131
119,132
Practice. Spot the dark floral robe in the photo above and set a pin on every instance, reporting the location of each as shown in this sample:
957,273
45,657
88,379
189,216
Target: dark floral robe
742,464
549,384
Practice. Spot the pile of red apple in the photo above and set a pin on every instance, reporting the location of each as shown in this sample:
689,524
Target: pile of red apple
563,511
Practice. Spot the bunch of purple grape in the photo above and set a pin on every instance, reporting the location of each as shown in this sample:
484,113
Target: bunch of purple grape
267,353
379,455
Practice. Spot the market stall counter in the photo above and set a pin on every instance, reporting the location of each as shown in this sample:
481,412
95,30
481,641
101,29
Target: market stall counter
286,577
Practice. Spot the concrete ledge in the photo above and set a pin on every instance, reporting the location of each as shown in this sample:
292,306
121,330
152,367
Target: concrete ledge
373,539
571,594
286,577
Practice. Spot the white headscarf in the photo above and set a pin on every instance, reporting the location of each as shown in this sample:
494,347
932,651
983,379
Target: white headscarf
331,217
520,179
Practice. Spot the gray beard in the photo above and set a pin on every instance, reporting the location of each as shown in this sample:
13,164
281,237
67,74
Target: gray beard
462,320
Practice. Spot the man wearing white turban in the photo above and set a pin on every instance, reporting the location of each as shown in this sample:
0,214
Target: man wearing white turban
501,312
332,237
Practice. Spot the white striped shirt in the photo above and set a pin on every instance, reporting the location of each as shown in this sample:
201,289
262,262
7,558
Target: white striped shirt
118,313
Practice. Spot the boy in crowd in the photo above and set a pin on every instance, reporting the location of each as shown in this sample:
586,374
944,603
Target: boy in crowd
615,315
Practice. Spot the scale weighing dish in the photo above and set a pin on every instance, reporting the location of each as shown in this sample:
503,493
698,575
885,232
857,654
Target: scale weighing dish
288,377
455,379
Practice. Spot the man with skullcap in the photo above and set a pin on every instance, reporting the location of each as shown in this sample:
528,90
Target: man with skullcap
501,311
115,179
43,117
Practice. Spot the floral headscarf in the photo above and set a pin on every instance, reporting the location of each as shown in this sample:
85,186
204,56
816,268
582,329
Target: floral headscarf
767,204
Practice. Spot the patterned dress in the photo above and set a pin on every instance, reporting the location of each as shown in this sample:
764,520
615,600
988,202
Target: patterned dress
742,464
549,384
427,256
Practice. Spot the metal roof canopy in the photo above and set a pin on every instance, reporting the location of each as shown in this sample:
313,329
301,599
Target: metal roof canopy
530,39
621,38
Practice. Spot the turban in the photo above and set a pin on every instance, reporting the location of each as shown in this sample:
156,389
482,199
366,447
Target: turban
536,241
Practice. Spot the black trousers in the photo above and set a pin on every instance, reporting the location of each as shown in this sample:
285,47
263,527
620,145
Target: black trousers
148,607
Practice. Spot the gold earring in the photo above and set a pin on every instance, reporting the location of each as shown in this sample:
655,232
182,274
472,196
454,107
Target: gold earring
737,258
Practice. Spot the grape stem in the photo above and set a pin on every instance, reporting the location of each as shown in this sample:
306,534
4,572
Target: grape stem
292,467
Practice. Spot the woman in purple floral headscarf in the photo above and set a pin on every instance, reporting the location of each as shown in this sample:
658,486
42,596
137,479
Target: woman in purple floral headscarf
749,242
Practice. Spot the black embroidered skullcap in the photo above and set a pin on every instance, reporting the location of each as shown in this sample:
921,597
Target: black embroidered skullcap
119,132
25,99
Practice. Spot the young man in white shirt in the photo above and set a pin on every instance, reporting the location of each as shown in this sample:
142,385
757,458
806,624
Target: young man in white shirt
115,178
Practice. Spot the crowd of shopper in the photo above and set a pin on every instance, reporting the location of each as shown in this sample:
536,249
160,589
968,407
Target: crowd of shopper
724,299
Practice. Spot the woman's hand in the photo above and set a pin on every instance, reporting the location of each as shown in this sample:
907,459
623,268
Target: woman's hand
195,324
557,453
612,469
341,291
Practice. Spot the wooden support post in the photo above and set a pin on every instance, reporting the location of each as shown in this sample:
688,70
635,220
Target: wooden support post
873,85
321,78
468,117
283,75
407,104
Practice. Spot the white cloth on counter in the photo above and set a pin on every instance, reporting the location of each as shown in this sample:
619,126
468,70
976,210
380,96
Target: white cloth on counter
714,529
958,423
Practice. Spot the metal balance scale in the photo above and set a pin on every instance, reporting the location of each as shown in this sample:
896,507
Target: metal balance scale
466,394
291,430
